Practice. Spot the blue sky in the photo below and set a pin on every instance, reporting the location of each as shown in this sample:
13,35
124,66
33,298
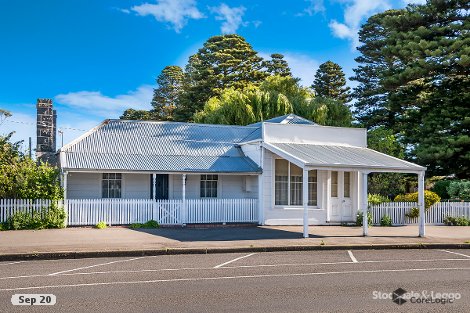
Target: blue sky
97,58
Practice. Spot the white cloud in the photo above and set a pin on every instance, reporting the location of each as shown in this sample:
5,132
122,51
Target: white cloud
175,12
301,65
314,7
355,13
105,106
406,2
232,17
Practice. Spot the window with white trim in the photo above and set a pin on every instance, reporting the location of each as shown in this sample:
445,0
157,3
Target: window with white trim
111,185
347,185
312,187
334,184
209,186
281,182
288,182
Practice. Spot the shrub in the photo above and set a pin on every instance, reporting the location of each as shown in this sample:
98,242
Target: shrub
375,199
51,217
429,198
151,224
413,213
456,221
359,218
440,188
386,221
101,225
148,224
459,189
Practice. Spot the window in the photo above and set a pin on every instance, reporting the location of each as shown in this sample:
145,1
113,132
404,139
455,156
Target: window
334,184
312,188
288,184
347,184
209,186
281,182
111,185
295,185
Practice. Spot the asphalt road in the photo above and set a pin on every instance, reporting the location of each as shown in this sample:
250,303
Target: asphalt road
310,281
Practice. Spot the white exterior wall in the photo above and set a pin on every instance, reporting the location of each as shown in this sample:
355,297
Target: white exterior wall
253,151
314,134
293,215
88,186
229,186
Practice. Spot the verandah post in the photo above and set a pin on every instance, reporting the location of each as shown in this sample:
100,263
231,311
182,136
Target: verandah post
365,204
305,201
422,217
183,209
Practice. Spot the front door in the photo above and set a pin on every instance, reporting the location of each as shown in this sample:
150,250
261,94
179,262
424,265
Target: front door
161,186
341,204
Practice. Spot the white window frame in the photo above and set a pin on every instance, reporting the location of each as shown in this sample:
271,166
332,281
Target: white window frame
121,179
205,186
288,206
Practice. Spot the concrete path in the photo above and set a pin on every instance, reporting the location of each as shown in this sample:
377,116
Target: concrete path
124,239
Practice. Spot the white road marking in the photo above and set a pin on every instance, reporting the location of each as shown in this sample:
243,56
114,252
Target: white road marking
12,263
91,266
225,267
238,277
351,255
236,259
461,254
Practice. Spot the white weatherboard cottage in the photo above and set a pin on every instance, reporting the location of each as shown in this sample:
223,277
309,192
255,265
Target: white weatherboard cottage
300,173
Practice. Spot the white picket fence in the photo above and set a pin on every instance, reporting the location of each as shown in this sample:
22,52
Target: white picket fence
222,210
434,215
9,207
128,211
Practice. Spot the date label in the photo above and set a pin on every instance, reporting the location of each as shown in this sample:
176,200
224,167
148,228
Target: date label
33,299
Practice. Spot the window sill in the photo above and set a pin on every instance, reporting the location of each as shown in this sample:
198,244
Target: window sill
298,208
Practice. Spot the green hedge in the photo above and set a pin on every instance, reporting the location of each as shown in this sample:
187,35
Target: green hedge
51,217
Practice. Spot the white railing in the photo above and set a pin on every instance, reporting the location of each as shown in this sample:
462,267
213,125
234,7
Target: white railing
9,207
122,211
434,215
221,210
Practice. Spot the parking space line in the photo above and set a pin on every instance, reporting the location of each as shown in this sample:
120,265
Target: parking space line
225,267
236,259
351,255
461,254
91,266
12,263
237,277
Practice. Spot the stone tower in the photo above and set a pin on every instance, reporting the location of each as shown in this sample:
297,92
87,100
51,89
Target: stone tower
46,131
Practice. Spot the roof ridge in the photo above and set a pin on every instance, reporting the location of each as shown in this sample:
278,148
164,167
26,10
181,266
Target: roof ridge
183,123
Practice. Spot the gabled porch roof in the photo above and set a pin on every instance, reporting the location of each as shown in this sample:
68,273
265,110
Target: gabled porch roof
312,156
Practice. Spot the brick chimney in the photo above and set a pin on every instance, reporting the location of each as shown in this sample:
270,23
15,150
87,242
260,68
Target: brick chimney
46,131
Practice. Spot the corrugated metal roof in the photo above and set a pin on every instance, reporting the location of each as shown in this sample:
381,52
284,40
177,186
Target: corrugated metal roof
343,156
161,146
287,119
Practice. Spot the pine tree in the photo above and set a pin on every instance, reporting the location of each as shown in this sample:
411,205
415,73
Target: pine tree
277,65
166,95
330,82
223,62
425,90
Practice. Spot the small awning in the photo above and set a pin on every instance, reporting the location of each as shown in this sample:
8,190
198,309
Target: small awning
341,157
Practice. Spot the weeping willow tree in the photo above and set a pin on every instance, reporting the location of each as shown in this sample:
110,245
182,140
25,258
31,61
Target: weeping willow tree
274,97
